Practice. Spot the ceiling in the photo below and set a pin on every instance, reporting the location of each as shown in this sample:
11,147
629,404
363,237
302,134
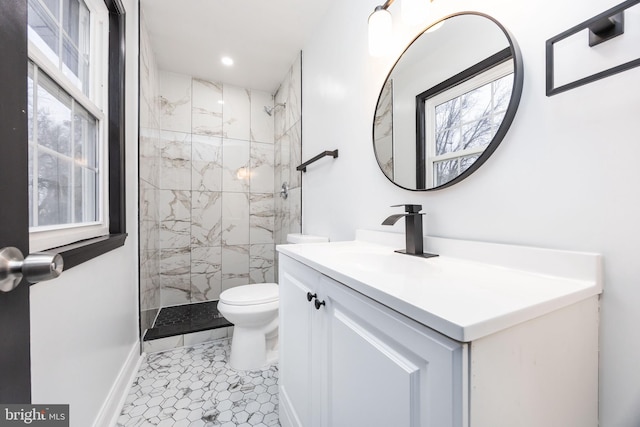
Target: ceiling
262,36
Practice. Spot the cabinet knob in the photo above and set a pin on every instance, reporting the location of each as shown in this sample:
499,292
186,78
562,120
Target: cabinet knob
311,296
319,304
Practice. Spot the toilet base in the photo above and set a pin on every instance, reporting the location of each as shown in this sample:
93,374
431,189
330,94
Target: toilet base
252,350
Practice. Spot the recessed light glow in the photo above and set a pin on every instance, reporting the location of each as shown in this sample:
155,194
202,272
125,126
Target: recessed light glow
227,61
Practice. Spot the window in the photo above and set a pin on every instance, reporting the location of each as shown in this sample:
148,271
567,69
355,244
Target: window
68,111
461,117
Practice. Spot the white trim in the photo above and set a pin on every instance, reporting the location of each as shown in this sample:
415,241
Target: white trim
112,406
65,234
50,69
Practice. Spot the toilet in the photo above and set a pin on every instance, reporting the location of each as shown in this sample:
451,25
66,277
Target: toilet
253,310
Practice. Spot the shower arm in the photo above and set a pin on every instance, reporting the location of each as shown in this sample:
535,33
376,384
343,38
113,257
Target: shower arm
270,110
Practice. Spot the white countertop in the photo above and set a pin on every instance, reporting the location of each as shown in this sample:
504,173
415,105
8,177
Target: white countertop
465,299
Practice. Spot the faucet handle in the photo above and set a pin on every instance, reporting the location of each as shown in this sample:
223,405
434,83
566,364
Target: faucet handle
409,208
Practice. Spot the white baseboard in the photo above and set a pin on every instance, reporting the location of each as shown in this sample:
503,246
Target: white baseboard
110,411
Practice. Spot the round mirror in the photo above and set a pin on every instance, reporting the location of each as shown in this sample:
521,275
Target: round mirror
447,102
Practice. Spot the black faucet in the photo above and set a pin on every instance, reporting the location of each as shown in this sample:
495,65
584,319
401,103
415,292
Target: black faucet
413,233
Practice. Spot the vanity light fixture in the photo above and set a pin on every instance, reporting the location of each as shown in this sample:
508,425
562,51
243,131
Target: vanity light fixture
380,23
380,28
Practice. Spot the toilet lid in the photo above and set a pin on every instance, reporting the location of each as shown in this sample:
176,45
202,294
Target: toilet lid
261,293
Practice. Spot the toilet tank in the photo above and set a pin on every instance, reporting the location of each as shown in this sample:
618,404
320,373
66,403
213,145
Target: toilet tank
305,238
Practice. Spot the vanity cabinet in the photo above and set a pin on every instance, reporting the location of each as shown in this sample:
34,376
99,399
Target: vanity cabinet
349,361
352,355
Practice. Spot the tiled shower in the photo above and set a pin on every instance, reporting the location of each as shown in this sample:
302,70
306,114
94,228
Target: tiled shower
212,163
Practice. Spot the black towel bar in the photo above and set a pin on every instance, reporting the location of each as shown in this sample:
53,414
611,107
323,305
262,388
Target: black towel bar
303,167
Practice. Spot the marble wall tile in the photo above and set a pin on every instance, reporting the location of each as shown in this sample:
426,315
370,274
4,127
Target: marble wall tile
214,174
149,103
289,92
147,63
281,217
175,102
295,154
235,266
149,289
175,170
282,167
383,142
236,113
149,235
279,115
262,168
235,219
288,149
206,163
149,218
206,218
175,218
149,152
175,276
146,111
261,123
148,201
207,108
236,159
149,182
145,47
206,273
262,216
294,211
261,263
294,94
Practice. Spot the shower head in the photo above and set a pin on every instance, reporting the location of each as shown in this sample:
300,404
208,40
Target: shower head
270,110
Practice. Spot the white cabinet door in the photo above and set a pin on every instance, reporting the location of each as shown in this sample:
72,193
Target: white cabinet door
297,334
352,362
384,369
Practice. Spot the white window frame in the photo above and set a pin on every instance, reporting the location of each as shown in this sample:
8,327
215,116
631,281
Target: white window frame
494,73
47,237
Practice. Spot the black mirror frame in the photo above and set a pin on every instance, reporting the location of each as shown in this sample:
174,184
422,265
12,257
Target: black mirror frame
512,108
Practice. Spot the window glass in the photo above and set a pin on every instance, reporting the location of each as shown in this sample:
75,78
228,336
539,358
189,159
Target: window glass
446,170
43,27
465,124
63,161
60,29
85,167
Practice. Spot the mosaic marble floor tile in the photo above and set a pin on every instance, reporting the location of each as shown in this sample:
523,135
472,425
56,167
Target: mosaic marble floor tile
195,387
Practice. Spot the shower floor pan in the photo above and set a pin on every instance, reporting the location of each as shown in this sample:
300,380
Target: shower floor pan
185,319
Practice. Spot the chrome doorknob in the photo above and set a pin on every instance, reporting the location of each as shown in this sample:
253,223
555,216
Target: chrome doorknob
37,267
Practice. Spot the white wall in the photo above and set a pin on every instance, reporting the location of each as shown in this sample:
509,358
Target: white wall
84,324
565,176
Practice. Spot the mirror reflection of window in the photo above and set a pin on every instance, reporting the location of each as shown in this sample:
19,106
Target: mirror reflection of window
475,68
462,121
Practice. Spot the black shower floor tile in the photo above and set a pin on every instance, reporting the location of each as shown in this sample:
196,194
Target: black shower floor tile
185,319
